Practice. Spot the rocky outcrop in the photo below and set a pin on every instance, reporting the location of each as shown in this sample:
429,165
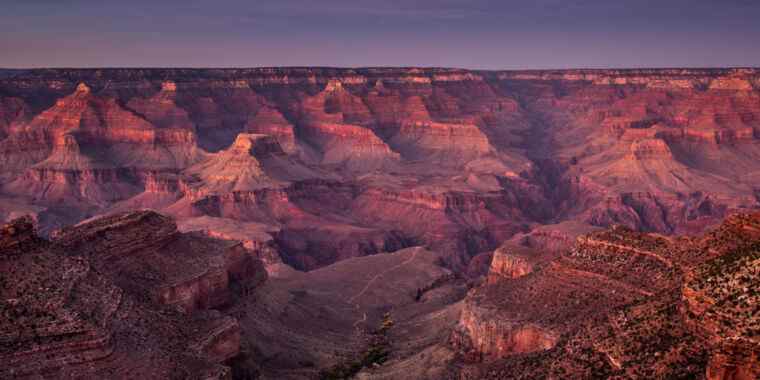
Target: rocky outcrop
121,138
335,104
255,237
335,123
237,168
65,315
669,307
50,327
145,254
488,336
84,112
220,340
511,262
161,109
265,205
351,146
271,122
507,317
420,140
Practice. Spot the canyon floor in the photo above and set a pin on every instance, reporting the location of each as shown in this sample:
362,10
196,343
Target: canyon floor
379,223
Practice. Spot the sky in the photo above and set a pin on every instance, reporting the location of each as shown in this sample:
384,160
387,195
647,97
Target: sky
475,34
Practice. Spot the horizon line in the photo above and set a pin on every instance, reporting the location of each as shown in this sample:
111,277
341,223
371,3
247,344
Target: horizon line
580,68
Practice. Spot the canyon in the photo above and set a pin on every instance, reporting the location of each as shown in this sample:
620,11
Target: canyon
380,223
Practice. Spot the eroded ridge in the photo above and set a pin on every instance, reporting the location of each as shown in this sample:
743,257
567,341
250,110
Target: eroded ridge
621,304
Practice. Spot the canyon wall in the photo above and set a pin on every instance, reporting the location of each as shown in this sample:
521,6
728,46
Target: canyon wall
383,158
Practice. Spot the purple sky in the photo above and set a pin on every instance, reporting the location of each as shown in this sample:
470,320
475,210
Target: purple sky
486,34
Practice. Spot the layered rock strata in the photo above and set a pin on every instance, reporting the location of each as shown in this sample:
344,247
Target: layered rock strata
621,303
76,306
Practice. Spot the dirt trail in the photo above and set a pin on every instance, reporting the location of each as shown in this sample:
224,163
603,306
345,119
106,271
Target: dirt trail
602,243
353,299
602,278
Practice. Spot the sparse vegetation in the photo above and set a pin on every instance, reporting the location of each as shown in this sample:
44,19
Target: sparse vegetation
376,353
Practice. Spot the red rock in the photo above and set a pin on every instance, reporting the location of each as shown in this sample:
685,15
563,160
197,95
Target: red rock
255,237
182,269
496,338
12,110
253,161
78,323
237,168
441,119
161,109
269,121
511,262
335,104
553,237
414,110
444,142
70,175
219,109
646,289
650,149
350,146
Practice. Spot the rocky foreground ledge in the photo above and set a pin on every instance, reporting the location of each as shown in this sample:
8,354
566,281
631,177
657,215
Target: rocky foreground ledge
620,304
124,296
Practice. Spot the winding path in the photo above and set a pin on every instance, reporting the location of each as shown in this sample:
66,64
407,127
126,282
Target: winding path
663,260
353,299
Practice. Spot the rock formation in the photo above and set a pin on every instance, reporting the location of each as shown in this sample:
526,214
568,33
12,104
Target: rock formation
511,262
99,300
637,147
626,304
237,167
161,109
270,121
